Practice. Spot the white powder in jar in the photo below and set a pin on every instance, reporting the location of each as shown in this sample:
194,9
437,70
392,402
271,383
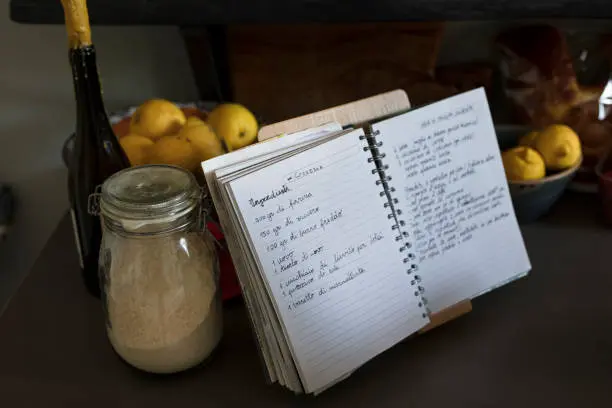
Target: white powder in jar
163,310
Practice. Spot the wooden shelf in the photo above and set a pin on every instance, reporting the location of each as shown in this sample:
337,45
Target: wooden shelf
199,12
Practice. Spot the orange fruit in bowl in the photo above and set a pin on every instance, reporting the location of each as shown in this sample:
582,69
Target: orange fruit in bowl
234,124
523,163
193,121
203,141
136,148
560,147
174,150
122,127
157,118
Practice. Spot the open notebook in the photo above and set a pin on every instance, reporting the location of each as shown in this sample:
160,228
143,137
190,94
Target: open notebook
345,241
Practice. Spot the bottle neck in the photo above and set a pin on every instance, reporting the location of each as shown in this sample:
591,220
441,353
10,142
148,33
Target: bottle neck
94,133
86,80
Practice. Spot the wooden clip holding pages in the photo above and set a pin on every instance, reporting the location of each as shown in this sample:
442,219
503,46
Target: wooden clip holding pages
363,110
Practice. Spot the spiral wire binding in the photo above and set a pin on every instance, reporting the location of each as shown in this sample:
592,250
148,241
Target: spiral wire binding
377,156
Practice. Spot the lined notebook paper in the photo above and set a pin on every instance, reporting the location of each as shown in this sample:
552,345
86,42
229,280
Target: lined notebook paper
331,265
262,318
344,241
445,163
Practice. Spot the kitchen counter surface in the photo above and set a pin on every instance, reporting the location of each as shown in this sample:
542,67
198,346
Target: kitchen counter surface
545,340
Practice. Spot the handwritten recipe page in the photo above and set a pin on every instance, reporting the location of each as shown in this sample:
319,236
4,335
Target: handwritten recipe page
276,353
326,249
445,164
274,350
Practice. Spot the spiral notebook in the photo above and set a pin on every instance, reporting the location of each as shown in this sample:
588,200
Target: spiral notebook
346,241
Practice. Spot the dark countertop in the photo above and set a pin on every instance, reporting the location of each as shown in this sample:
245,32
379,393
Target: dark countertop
543,341
199,12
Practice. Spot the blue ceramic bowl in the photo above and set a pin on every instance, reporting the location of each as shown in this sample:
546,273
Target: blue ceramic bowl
533,198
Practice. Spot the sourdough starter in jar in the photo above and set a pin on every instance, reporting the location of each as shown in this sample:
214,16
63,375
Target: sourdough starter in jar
158,270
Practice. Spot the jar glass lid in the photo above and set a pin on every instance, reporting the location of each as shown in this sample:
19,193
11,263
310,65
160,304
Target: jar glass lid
149,192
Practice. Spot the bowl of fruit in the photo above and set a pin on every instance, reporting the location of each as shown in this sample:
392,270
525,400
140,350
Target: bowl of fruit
539,166
162,132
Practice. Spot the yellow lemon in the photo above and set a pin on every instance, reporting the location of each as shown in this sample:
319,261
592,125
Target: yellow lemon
560,147
194,121
523,163
234,124
174,150
528,139
157,118
203,141
136,148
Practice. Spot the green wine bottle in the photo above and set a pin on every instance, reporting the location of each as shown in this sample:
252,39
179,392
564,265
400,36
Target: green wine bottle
97,153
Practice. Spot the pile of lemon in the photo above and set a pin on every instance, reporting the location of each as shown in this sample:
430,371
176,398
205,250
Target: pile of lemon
161,133
553,149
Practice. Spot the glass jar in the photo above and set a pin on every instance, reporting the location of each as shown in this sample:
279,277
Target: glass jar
158,269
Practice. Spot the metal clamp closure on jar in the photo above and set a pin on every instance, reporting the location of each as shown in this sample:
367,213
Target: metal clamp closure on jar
150,200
